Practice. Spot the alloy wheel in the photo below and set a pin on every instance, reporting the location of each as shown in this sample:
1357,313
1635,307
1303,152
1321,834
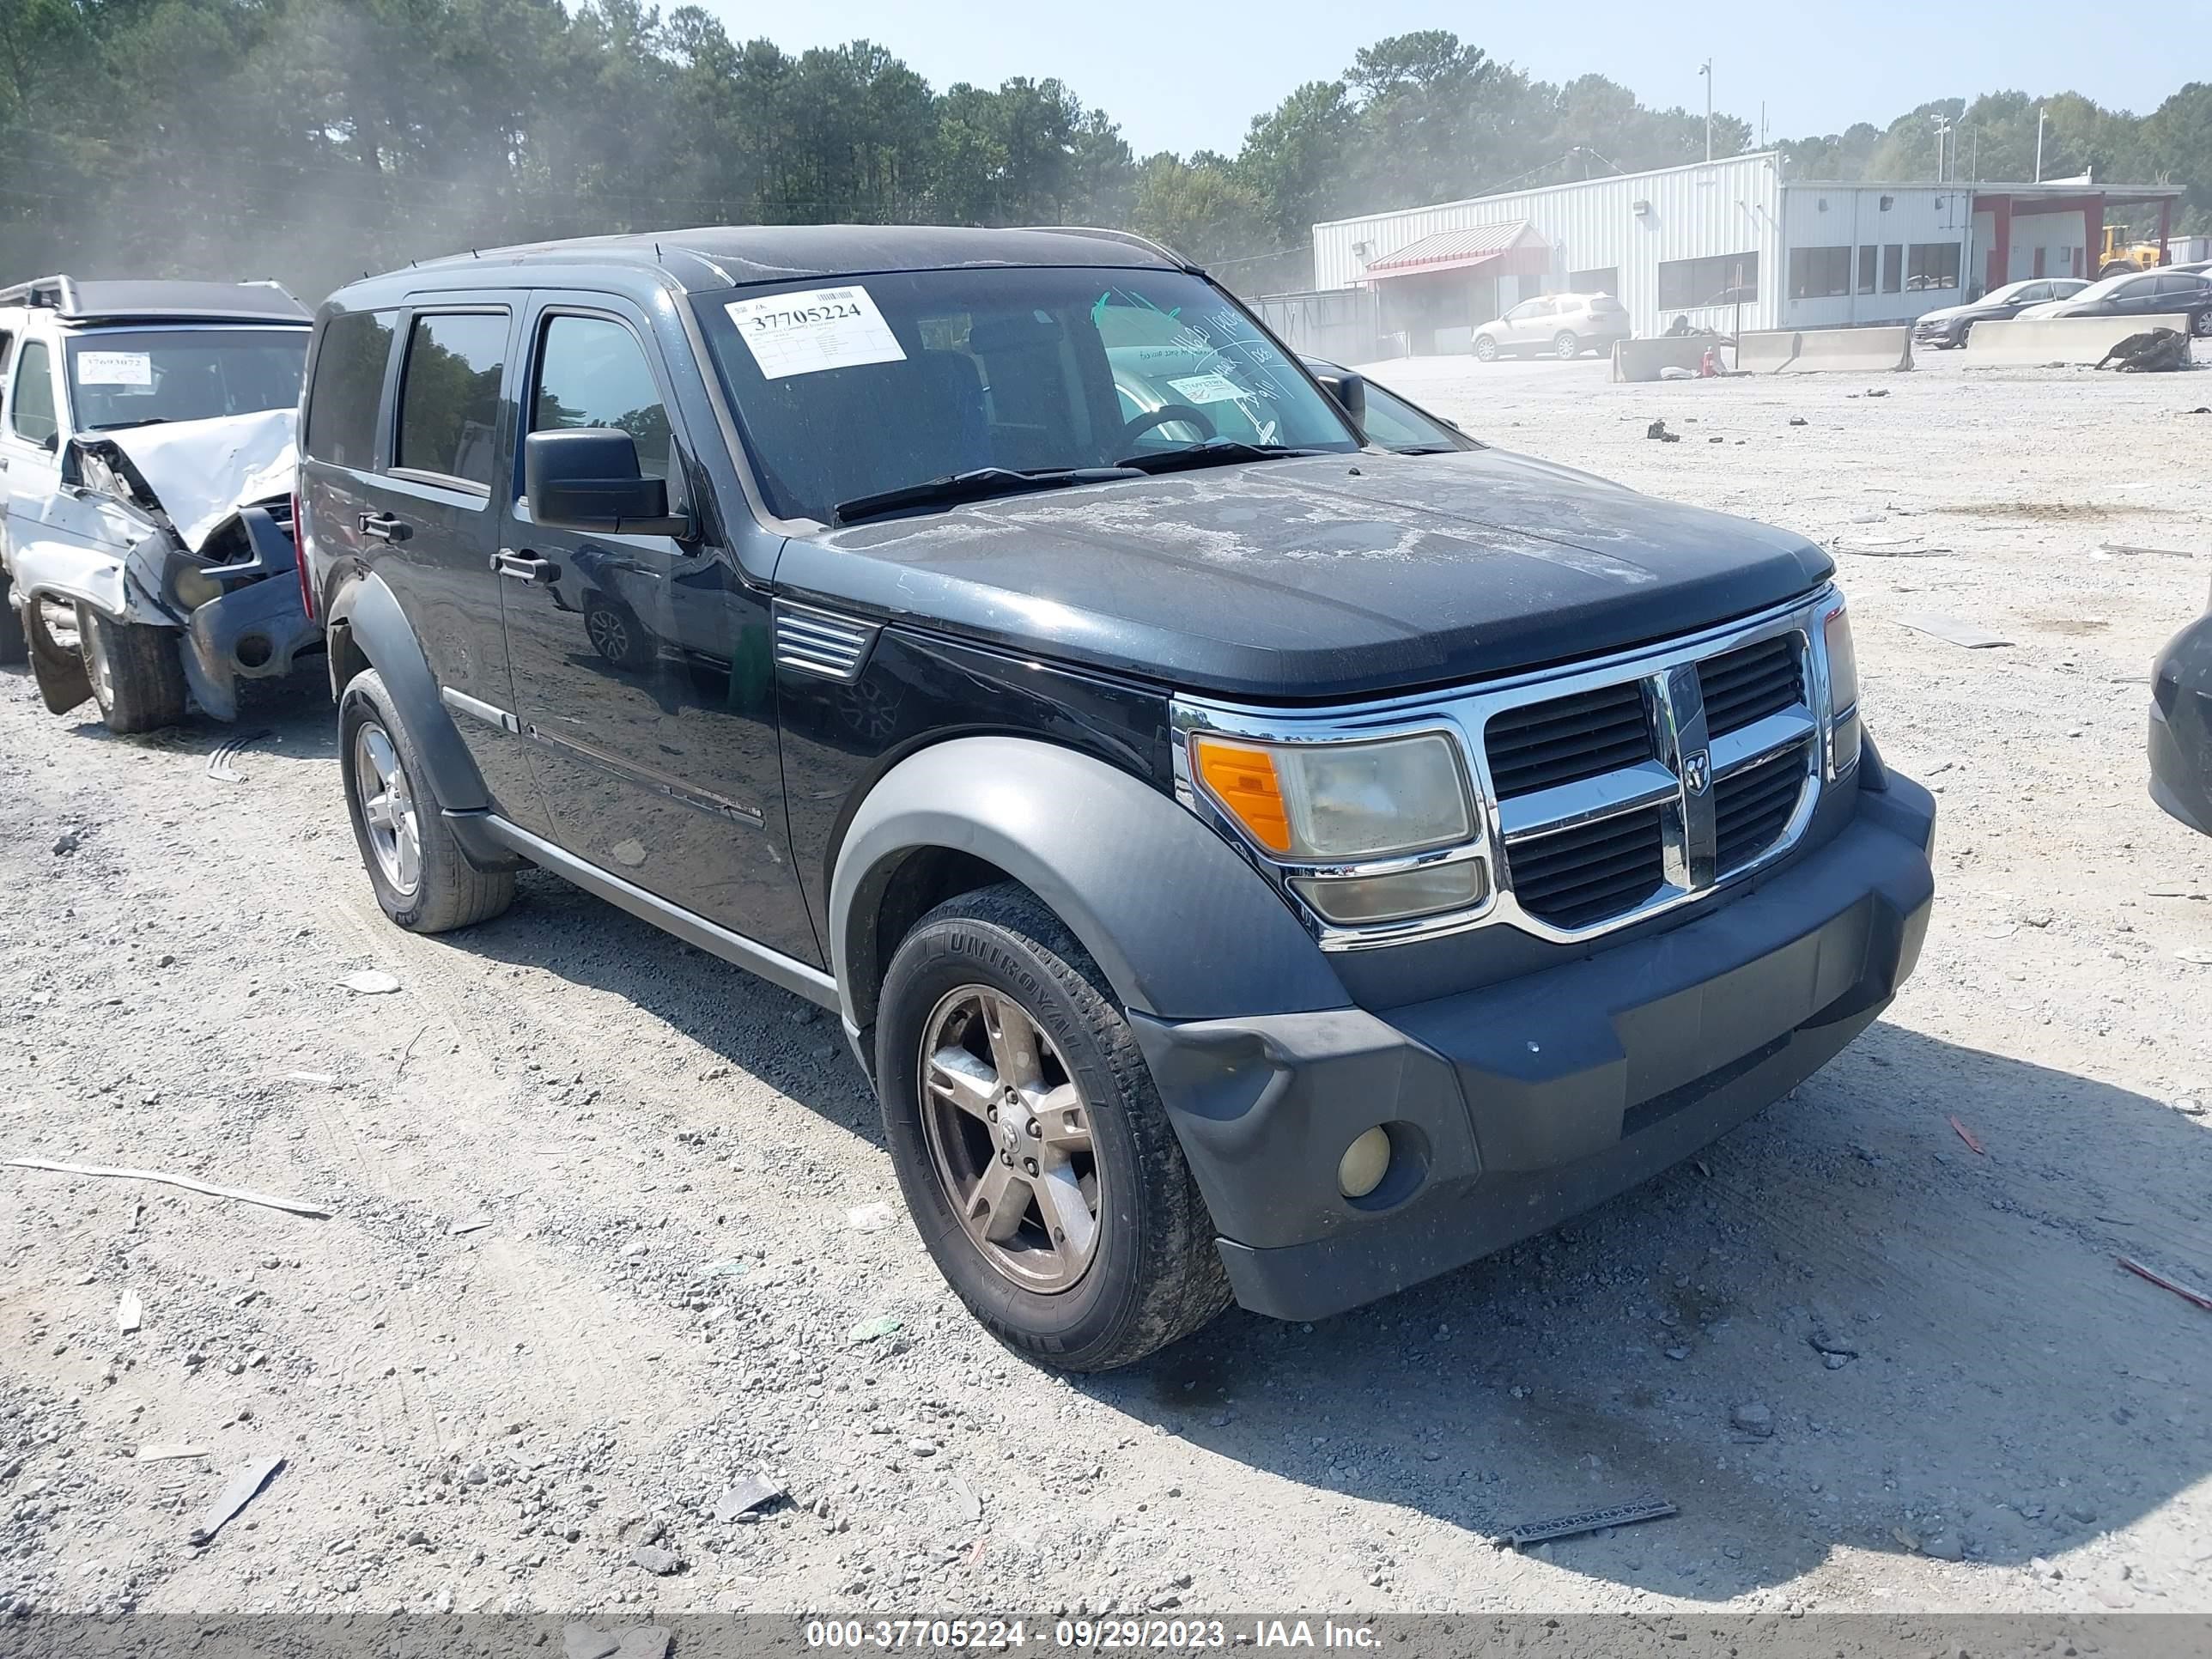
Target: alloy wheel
1010,1138
387,807
609,634
92,642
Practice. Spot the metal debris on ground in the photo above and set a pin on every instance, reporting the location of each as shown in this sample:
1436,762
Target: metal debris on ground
1798,420
371,982
473,1224
2154,351
166,1451
323,1077
869,1217
751,1492
2136,547
290,1206
2198,954
130,1313
1970,635
869,1330
1968,1135
2164,1283
1658,429
244,1485
219,764
1571,1526
729,1267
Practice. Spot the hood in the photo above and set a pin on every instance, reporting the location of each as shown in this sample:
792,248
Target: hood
2044,308
203,471
1315,578
1946,314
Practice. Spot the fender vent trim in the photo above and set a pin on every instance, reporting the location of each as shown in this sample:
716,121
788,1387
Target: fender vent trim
811,641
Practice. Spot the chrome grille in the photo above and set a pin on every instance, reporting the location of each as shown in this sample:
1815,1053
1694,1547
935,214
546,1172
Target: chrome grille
1752,683
1572,877
821,641
1752,807
1542,746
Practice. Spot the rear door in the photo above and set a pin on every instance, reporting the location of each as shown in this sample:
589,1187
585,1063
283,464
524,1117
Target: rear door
424,517
642,665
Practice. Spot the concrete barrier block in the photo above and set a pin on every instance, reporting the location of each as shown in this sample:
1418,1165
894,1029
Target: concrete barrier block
2057,339
1767,350
1851,350
1642,360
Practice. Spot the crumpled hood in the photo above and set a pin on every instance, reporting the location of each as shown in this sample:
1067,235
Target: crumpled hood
1318,578
203,471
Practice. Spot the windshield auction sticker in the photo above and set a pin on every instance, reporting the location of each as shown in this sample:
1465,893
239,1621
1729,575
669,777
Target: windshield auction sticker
114,368
819,328
1209,389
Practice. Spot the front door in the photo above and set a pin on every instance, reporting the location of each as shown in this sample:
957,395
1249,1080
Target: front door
643,667
30,442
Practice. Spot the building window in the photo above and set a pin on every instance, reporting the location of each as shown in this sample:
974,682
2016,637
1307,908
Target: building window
1725,279
1820,273
1607,281
1931,265
1892,268
1870,259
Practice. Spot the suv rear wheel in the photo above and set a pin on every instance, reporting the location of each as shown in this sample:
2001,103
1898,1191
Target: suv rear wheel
1034,1153
422,879
1567,345
138,678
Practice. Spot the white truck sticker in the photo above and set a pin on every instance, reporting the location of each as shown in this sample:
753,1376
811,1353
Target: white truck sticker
1208,389
814,329
114,368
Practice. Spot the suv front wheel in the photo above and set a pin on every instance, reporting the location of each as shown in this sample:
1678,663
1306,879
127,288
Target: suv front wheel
422,879
1034,1155
138,678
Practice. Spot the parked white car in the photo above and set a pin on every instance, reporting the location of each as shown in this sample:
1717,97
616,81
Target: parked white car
1562,325
147,441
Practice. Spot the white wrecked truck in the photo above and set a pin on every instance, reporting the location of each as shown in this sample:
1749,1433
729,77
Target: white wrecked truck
146,438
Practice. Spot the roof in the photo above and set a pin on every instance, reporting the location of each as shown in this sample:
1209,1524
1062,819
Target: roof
734,255
158,300
1594,182
1459,250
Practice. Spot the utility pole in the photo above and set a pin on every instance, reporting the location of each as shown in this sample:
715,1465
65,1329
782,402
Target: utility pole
2038,143
1705,68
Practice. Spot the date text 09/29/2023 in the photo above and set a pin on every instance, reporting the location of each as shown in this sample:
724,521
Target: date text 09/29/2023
1086,1635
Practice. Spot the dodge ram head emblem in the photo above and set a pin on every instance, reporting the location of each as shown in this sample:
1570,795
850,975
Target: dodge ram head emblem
1697,771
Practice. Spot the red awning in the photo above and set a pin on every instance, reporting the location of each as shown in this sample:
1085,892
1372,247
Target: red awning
1513,248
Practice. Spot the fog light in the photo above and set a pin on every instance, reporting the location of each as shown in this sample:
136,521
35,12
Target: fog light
1364,1163
1358,900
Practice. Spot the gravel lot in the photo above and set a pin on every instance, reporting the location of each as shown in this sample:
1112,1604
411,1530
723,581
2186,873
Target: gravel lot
1876,1368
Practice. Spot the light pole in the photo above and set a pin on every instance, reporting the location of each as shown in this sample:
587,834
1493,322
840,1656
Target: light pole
2038,143
1705,68
1942,129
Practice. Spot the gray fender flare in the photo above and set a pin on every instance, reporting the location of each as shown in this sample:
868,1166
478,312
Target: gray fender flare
1179,925
369,612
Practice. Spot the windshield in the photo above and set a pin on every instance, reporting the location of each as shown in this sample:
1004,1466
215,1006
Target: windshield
845,390
135,377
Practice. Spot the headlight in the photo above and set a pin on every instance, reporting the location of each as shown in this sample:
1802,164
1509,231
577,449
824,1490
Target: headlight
1329,802
1842,693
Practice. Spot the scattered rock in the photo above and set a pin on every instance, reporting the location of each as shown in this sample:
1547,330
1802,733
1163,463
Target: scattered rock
370,982
1657,430
869,1217
67,842
128,1313
1798,420
871,1330
236,1495
1753,1418
658,1562
1946,1547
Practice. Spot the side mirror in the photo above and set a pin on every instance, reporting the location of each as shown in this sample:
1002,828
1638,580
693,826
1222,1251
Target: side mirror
1350,391
51,442
586,478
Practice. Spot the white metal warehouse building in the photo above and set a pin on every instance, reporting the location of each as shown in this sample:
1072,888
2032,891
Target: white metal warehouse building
1731,245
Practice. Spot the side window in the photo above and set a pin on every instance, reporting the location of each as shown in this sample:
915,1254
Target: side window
32,413
7,350
591,372
342,405
449,395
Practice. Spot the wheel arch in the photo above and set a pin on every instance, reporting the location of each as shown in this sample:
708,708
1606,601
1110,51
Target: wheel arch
366,628
1180,926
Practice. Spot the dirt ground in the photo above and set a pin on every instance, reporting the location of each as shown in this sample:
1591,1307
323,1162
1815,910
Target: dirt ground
1877,1367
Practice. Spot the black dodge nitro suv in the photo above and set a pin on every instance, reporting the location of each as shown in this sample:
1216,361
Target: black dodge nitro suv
1250,862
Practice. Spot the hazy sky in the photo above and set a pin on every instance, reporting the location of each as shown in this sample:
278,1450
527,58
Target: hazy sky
1191,76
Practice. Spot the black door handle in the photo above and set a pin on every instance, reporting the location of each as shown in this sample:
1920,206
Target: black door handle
525,565
385,526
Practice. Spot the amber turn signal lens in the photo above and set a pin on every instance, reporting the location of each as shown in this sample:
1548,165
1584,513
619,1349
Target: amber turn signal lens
1243,778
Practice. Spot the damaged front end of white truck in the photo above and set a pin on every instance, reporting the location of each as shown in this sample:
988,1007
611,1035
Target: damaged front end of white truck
162,564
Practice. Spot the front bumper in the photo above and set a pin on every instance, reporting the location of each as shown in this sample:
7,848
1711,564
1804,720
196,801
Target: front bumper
256,628
1513,1107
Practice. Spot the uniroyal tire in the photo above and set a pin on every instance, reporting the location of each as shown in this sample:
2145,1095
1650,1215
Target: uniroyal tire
438,889
138,678
1154,1275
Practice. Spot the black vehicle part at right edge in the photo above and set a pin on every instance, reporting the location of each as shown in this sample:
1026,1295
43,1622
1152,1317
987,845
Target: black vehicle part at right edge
14,648
2181,726
1182,927
367,615
1156,1276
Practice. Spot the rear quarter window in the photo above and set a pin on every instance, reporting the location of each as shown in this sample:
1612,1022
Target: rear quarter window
349,384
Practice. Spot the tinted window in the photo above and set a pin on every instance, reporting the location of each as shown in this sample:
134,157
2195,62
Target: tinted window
1722,279
1396,425
2182,284
349,385
33,414
594,372
449,395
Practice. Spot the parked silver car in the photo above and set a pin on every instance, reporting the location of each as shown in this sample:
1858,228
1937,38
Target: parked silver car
1562,325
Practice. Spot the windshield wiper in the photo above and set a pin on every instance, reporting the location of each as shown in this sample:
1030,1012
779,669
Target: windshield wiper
1424,449
1214,451
128,426
981,484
